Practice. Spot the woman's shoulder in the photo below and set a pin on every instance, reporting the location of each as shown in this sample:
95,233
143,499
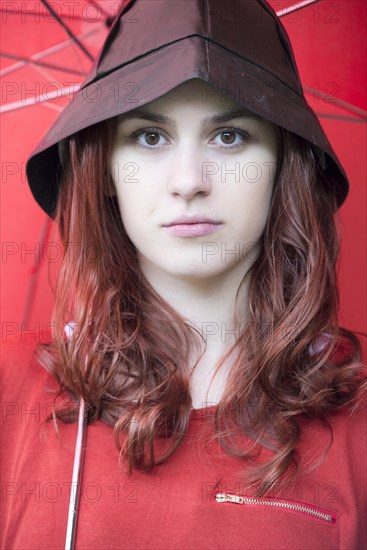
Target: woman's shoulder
342,433
349,425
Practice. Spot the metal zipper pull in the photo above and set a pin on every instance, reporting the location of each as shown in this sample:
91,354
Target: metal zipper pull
225,497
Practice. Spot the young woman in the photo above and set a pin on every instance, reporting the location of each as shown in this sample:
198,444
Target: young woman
219,404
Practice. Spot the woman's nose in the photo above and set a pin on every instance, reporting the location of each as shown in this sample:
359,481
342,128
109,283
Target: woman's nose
188,175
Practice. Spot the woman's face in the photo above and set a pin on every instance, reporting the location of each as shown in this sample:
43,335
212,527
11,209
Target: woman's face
188,165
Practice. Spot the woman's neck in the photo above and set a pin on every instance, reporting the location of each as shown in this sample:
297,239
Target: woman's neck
208,304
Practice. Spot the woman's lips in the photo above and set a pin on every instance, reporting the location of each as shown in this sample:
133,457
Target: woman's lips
192,229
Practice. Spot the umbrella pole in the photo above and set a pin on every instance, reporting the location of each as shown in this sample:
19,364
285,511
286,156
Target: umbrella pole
76,479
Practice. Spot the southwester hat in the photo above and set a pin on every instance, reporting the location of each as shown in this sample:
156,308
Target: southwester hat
238,46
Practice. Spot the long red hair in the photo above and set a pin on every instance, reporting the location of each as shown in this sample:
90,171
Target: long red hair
292,358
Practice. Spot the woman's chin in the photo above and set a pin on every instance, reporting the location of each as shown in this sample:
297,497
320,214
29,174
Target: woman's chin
192,269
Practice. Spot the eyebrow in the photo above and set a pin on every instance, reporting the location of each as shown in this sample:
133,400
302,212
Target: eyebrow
207,121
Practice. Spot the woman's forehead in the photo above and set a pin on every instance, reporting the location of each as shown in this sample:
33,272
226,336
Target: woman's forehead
207,100
195,90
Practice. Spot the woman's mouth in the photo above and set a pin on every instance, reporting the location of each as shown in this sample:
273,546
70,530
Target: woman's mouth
198,229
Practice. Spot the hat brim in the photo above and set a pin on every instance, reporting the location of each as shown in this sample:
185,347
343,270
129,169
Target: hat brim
159,72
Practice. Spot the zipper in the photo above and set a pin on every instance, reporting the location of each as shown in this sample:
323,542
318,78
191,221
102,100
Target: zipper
300,507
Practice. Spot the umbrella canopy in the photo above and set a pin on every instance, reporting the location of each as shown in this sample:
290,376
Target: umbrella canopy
46,50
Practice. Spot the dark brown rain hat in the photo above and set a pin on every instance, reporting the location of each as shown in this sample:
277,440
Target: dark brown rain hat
237,46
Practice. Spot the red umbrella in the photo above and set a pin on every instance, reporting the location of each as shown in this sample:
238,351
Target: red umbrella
48,47
329,41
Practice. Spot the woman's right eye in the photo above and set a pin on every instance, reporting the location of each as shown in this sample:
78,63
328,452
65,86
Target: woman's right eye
147,138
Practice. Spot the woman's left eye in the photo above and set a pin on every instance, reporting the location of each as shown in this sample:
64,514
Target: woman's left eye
228,137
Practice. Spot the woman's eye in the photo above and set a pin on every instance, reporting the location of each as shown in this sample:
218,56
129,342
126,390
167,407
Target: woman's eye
232,137
148,138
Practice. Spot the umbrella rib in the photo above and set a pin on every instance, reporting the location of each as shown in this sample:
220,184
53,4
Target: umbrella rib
99,7
311,91
77,55
32,12
42,64
16,105
295,7
48,51
341,117
341,103
66,28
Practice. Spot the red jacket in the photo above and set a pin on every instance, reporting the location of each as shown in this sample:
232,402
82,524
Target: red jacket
176,507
